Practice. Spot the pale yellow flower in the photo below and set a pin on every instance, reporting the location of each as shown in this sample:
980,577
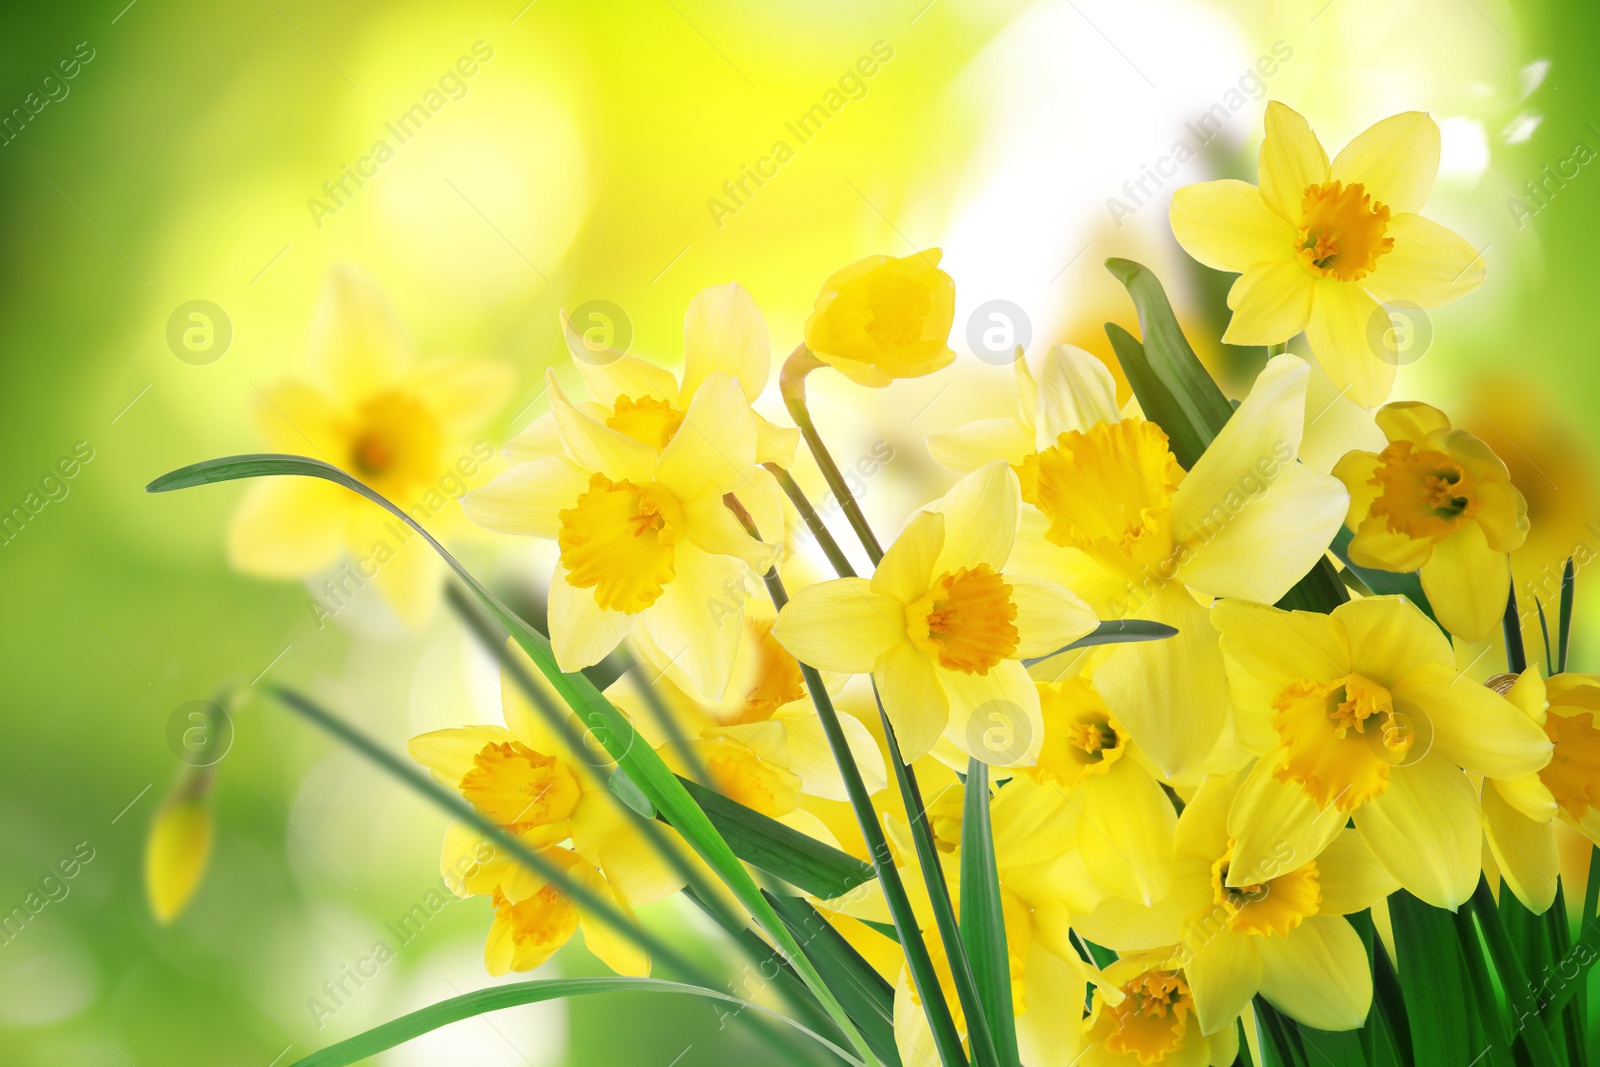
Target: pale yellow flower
1149,1017
1317,245
400,426
1436,500
883,318
942,625
177,852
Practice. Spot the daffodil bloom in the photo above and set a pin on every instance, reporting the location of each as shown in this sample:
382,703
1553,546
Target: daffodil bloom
1281,931
883,318
1040,887
1317,245
1151,1019
762,744
523,777
1360,715
723,333
1437,501
1520,816
645,536
1118,521
398,425
1101,791
943,626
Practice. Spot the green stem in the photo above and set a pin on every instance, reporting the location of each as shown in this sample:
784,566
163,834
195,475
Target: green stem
1489,1014
1569,579
982,925
813,521
1526,1025
792,383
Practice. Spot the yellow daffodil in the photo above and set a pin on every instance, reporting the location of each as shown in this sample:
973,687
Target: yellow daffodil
524,777
1040,887
1116,519
1437,501
178,849
883,318
1520,816
1151,1019
400,426
1361,715
763,744
1280,932
645,536
1101,792
942,626
1317,245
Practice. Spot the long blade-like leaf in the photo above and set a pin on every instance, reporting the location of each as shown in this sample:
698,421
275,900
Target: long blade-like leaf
647,770
496,998
864,993
983,922
1112,632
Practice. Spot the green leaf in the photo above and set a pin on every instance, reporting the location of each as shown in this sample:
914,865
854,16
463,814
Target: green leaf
1430,966
861,989
799,859
1111,632
1569,579
1177,394
623,788
647,770
983,923
496,998
1526,1024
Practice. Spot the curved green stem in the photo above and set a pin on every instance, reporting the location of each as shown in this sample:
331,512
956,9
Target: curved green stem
792,383
813,521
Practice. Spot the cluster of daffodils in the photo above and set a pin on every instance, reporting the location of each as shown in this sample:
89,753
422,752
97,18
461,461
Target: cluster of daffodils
1196,800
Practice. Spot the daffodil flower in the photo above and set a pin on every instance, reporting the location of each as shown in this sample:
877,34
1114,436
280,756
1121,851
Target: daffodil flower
942,626
178,850
523,777
400,426
883,318
1149,1016
1118,521
1436,500
644,534
1520,817
1360,715
1317,245
1278,930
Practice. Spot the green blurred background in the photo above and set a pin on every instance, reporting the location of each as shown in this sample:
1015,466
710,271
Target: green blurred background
578,164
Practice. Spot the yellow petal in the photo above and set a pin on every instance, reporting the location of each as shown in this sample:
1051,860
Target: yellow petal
775,444
176,854
302,420
913,1037
1473,726
1529,795
528,498
1223,974
1126,832
1227,226
1375,545
608,373
1425,830
582,633
411,582
1276,826
1340,337
288,527
1395,159
1271,302
699,617
840,625
1351,877
606,941
714,449
966,448
1047,1038
595,446
1390,640
980,519
1281,646
540,438
462,393
1319,974
1291,159
1467,583
1429,265
994,717
1524,850
1356,470
724,333
1076,392
1049,616
357,344
1146,683
448,754
906,570
811,757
